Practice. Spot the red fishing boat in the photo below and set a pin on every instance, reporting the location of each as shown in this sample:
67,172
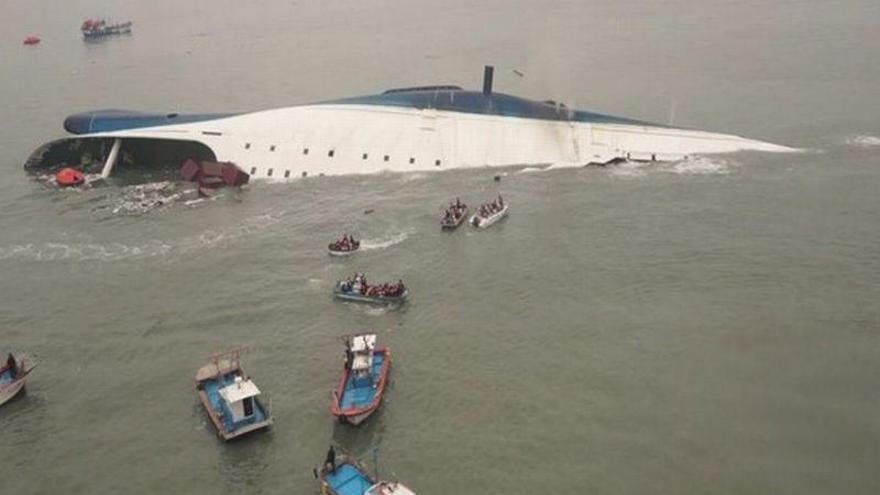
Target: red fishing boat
32,40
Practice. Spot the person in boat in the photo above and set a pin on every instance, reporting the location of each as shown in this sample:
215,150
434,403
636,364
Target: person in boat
330,461
500,201
12,365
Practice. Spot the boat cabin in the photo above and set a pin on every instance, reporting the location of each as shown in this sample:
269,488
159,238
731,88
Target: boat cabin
360,352
239,397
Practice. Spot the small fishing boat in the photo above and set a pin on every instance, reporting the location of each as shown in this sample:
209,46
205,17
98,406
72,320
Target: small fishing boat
230,397
454,216
363,380
32,40
98,28
344,475
489,213
13,375
345,246
356,289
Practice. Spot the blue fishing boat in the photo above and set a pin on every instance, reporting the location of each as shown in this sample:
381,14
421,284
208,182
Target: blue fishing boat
12,376
344,475
230,397
364,376
358,290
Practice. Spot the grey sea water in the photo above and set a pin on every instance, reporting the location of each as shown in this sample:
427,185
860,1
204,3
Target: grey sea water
709,326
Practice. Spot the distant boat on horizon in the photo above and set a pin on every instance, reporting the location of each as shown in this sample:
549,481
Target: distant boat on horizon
97,28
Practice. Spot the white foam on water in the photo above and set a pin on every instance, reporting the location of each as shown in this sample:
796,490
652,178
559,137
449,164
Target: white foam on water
115,251
213,237
561,165
412,176
55,251
694,165
383,242
701,165
375,310
863,140
530,170
628,169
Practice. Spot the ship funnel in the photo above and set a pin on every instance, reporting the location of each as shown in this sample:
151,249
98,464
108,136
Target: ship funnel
488,72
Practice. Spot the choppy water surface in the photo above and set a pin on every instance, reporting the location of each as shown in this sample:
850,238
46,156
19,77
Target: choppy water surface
708,326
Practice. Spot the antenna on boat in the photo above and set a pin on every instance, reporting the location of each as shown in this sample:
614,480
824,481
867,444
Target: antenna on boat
488,76
233,355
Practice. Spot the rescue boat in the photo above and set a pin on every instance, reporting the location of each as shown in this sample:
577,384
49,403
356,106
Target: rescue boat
364,377
13,375
230,398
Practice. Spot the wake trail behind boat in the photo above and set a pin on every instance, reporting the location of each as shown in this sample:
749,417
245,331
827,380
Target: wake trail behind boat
863,140
383,242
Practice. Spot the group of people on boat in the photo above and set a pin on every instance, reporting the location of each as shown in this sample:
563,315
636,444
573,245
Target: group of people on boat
359,284
100,27
455,212
386,290
491,208
346,243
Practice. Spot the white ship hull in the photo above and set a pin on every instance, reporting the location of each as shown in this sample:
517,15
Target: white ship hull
413,130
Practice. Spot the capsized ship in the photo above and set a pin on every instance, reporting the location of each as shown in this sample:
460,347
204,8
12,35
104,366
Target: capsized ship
409,129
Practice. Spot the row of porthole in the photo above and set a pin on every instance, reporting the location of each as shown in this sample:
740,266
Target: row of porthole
269,173
330,154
